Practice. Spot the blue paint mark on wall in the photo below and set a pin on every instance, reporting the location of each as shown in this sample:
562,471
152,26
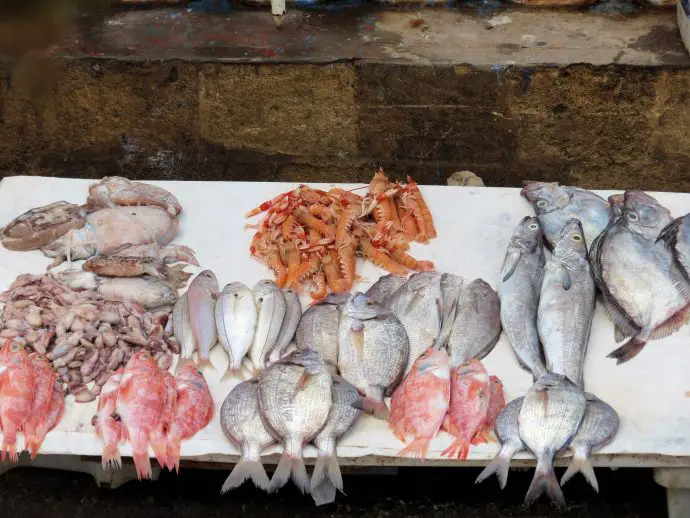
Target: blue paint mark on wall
498,70
209,6
526,80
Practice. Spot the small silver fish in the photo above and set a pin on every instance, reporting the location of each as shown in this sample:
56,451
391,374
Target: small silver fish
598,428
518,291
295,400
555,204
271,308
235,322
326,477
373,351
551,414
566,304
201,304
293,313
384,287
451,286
477,325
240,420
508,435
318,330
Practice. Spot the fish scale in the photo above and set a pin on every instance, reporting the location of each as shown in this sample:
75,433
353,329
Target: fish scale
318,330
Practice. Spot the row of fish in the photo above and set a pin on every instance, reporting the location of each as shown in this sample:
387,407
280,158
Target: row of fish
145,405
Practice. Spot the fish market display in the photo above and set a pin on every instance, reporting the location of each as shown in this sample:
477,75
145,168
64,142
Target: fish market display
318,330
598,428
148,259
241,422
519,294
555,204
295,401
643,288
451,286
497,402
17,395
566,304
551,414
271,307
384,287
107,422
326,477
311,235
373,350
41,226
236,318
293,313
201,306
676,237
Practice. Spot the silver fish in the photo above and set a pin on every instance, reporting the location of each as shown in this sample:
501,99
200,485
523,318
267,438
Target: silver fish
418,306
566,304
318,330
508,435
643,288
149,292
241,422
295,400
183,331
271,308
550,416
676,237
451,286
236,322
383,288
598,428
326,477
201,304
373,351
477,325
555,204
293,313
518,291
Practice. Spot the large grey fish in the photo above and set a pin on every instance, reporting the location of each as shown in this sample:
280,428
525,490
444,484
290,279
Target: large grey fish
551,414
318,330
295,400
236,322
555,204
201,304
642,286
384,287
293,313
676,237
271,308
508,435
451,286
326,477
241,422
598,428
419,307
566,304
477,325
518,290
372,351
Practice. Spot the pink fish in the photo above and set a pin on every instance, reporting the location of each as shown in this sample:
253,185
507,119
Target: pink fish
44,378
140,404
53,416
193,411
159,443
421,401
17,389
497,401
469,404
108,423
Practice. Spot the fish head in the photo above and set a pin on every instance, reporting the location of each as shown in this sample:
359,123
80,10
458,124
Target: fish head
310,359
361,307
236,289
263,288
551,379
142,359
496,383
39,359
616,202
433,361
451,280
189,374
421,280
644,215
472,367
208,280
545,197
572,239
528,234
336,299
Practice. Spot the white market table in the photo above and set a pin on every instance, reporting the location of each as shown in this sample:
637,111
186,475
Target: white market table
651,393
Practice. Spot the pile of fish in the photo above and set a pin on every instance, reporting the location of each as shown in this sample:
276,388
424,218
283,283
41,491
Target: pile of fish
145,405
85,334
30,400
311,235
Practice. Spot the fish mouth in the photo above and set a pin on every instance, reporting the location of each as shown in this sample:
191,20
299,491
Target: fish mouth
529,188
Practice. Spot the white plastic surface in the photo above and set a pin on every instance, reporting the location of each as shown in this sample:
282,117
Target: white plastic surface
651,393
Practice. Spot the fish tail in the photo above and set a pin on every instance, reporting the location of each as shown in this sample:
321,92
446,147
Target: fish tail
544,481
9,446
159,446
247,468
373,406
182,363
500,466
172,457
33,444
581,464
417,448
628,350
140,454
204,363
459,448
110,458
232,372
326,479
291,465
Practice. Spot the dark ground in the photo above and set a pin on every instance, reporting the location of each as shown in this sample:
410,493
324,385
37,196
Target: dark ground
424,492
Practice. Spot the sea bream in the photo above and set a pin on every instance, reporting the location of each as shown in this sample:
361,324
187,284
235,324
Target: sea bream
318,329
201,304
451,286
271,308
293,313
236,318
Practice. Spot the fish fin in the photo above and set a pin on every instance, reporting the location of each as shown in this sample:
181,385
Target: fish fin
172,456
372,406
672,324
459,449
326,479
510,263
302,382
159,446
183,362
581,464
357,338
564,278
628,350
231,373
544,481
290,466
142,464
204,363
500,466
417,448
110,458
324,493
32,446
619,334
246,469
669,233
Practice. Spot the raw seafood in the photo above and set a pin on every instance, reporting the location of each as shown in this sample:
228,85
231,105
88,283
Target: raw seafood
566,304
676,237
518,291
182,328
108,423
497,401
271,308
115,190
44,379
17,392
41,226
598,428
470,395
451,286
149,292
550,416
167,451
384,287
241,422
372,351
295,400
130,261
326,477
318,330
50,421
477,324
420,403
293,313
235,322
509,436
555,204
201,305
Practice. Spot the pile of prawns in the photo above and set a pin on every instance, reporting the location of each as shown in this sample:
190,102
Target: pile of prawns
310,235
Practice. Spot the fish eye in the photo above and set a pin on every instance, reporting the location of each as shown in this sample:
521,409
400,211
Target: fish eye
267,282
632,216
15,347
144,356
369,304
289,291
542,203
533,226
576,237
261,299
